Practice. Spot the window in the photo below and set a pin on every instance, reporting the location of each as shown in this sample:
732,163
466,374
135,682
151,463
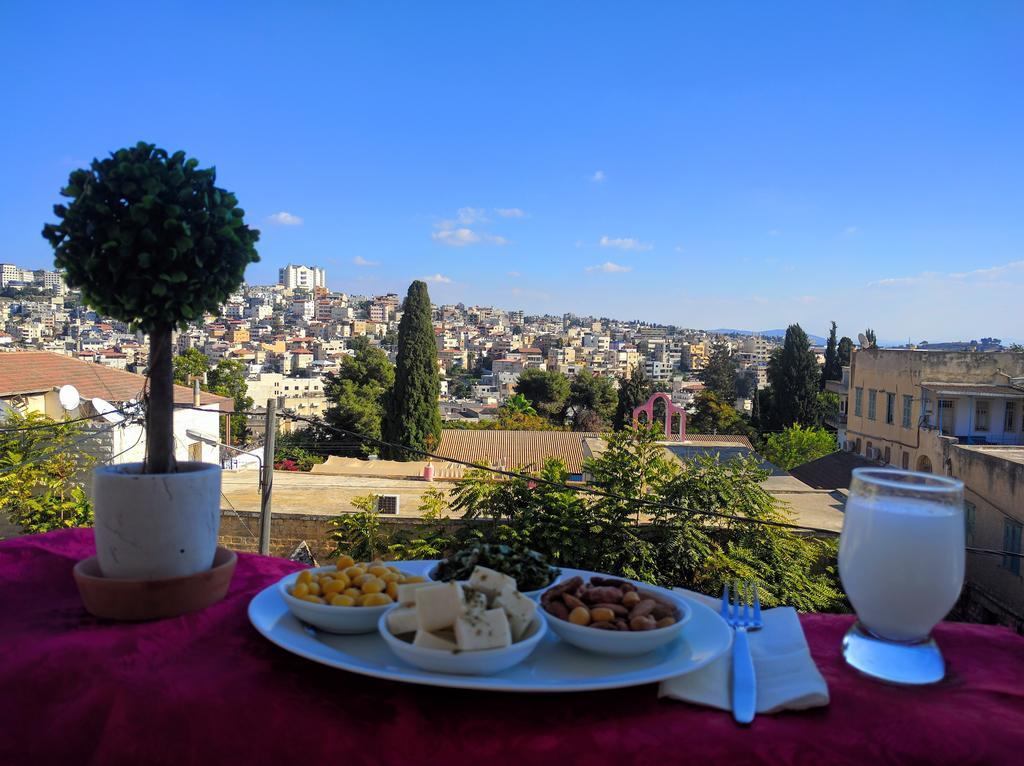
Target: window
1011,544
890,408
908,403
981,416
969,510
858,400
906,461
1010,421
872,396
947,416
888,454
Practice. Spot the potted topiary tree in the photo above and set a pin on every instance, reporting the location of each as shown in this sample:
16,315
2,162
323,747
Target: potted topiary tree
150,240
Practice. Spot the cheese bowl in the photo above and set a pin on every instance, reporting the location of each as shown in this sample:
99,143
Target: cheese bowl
624,643
332,619
465,663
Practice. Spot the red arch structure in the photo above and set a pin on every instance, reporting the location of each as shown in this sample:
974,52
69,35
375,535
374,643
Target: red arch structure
671,411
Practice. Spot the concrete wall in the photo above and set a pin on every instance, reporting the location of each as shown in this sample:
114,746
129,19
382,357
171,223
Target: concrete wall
994,484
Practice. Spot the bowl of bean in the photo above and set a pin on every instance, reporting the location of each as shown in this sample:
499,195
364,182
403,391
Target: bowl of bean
615,617
346,598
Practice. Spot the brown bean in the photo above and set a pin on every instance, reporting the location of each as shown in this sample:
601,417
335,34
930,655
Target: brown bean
571,601
642,609
621,624
628,587
630,599
559,588
607,581
662,610
558,609
605,594
644,622
602,614
603,625
618,609
664,622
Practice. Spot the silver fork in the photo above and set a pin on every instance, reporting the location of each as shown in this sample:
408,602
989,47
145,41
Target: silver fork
744,683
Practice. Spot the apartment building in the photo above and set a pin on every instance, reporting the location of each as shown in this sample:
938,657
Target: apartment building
302,277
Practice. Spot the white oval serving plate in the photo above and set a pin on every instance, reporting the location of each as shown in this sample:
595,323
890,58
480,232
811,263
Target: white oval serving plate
554,666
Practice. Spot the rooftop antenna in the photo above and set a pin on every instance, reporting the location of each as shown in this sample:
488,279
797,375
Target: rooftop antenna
106,410
862,339
69,397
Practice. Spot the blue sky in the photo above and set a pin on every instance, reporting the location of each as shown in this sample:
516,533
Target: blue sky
708,165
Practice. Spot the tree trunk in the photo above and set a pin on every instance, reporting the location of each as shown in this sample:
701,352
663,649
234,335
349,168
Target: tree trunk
160,410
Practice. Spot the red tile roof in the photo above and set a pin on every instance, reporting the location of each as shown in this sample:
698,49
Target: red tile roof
31,372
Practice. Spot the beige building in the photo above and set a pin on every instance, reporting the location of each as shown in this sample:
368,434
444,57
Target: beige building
960,414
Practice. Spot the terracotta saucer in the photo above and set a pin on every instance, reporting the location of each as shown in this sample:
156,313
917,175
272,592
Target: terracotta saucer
153,599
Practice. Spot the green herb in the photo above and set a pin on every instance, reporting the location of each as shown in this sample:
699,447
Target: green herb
529,568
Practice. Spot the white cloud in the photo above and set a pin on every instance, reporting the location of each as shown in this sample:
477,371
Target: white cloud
439,279
470,215
598,176
610,268
1001,275
284,219
625,243
849,231
360,261
513,274
510,212
456,237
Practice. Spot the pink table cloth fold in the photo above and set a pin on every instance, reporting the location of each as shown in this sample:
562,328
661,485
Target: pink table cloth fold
206,688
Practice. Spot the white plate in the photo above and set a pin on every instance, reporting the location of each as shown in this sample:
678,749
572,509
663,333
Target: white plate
554,665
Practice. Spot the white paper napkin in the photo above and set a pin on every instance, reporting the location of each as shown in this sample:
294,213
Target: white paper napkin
787,678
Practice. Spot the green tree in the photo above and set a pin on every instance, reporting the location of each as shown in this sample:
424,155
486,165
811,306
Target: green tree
357,394
714,416
228,379
845,351
592,399
826,407
190,365
413,417
719,374
797,445
793,375
547,391
832,370
517,405
633,391
150,240
42,463
361,534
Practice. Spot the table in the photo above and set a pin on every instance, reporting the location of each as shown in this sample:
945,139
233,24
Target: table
205,688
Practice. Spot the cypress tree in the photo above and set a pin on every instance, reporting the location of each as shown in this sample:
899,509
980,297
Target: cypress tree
845,351
793,375
719,374
413,417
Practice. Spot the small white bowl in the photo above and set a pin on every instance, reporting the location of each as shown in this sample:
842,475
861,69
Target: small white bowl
332,619
534,594
481,663
622,643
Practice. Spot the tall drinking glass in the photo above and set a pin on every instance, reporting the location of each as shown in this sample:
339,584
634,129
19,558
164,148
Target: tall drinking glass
901,560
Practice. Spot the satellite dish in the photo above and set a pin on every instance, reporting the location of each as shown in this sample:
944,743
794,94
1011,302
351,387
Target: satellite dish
862,339
107,410
69,397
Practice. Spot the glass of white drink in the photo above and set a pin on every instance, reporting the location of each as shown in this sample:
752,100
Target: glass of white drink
901,560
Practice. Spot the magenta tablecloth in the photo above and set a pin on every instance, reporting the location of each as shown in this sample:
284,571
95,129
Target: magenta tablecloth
207,689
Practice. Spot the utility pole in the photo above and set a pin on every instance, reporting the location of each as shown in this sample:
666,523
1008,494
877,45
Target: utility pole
270,434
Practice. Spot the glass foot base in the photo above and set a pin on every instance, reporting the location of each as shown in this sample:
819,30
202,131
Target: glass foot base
919,663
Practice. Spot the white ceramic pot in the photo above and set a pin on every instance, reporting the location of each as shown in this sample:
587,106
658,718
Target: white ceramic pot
155,526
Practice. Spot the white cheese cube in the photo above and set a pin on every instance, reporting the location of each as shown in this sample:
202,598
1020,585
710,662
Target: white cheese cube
489,581
518,608
402,620
427,640
476,602
407,590
488,631
438,606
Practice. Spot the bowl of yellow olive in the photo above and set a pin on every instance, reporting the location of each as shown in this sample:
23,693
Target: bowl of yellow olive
348,596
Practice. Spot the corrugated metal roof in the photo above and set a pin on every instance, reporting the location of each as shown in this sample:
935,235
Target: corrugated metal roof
975,389
515,450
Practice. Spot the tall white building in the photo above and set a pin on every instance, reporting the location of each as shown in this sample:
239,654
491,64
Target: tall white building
306,277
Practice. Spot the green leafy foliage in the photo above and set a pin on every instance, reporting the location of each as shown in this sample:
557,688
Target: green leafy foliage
529,568
189,366
793,376
633,391
412,416
295,458
719,373
546,390
41,473
150,239
832,369
361,534
357,394
844,353
517,405
797,445
228,379
714,416
593,400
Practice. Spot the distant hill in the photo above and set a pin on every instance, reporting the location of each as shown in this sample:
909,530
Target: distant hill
816,340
